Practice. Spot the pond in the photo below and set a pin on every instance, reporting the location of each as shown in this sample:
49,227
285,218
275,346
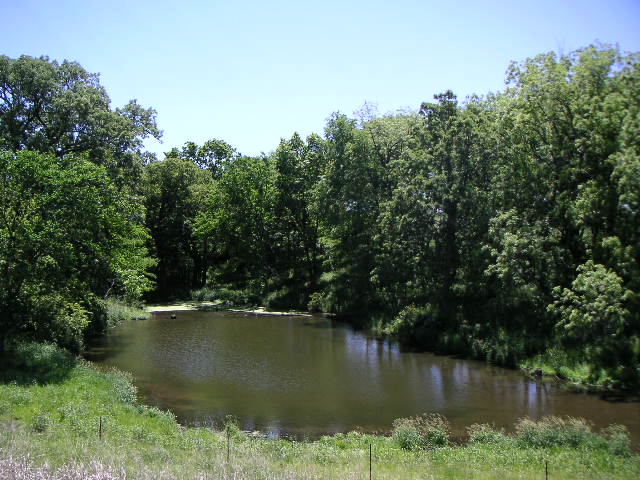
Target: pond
308,376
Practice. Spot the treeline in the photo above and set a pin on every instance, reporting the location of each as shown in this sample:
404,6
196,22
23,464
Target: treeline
72,231
500,227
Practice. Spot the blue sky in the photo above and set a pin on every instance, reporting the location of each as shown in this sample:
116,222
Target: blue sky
252,72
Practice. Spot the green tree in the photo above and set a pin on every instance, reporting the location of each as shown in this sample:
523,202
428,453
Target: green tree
594,318
68,239
238,221
297,167
212,155
60,108
437,212
347,198
174,192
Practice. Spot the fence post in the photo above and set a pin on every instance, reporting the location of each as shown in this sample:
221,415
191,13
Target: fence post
546,470
370,463
100,429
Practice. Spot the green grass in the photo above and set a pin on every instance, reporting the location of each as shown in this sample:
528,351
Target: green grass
557,363
50,428
118,311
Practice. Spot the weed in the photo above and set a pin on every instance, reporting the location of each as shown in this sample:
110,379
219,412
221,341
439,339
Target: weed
422,431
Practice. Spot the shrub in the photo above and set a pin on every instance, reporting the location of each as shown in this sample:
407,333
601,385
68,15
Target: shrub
617,437
123,388
485,434
416,326
225,295
231,427
556,431
118,312
37,362
203,294
422,431
317,303
40,422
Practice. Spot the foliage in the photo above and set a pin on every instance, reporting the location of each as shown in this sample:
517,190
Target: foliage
498,227
212,155
503,227
173,192
594,312
36,362
225,295
60,108
118,311
423,431
66,241
487,435
572,432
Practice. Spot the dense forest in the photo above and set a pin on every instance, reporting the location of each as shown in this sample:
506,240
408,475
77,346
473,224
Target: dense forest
500,227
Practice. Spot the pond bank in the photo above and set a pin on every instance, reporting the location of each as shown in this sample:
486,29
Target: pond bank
52,429
220,306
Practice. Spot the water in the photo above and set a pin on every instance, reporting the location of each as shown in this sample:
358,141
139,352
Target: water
309,376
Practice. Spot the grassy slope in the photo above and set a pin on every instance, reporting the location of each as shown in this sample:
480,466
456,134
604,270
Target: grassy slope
56,424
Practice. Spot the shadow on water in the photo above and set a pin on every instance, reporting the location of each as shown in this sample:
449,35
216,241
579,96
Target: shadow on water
103,347
28,363
327,324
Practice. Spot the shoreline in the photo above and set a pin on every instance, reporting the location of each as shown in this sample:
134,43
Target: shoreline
527,367
192,306
52,428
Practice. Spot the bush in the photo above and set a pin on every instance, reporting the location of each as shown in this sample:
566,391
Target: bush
123,388
317,303
118,312
422,431
416,326
40,422
203,294
486,435
287,298
231,427
617,437
225,295
556,431
37,362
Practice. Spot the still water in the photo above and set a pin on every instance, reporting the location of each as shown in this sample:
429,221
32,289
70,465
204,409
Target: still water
308,376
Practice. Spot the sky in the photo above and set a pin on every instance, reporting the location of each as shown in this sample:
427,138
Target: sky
252,72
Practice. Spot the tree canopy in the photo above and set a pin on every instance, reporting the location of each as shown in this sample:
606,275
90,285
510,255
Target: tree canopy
498,227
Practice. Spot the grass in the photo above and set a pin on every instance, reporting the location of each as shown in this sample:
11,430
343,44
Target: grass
118,311
49,428
557,363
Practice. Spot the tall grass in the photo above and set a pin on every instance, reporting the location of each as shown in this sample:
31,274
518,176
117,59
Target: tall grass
118,311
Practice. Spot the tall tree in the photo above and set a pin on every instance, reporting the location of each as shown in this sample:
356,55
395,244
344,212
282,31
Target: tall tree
238,221
212,155
68,239
347,198
174,192
60,108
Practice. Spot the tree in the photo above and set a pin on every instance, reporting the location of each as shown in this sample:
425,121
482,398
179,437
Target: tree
68,240
174,192
60,108
297,169
238,222
436,213
212,155
594,318
347,199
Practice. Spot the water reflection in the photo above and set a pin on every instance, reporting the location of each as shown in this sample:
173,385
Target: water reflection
310,376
